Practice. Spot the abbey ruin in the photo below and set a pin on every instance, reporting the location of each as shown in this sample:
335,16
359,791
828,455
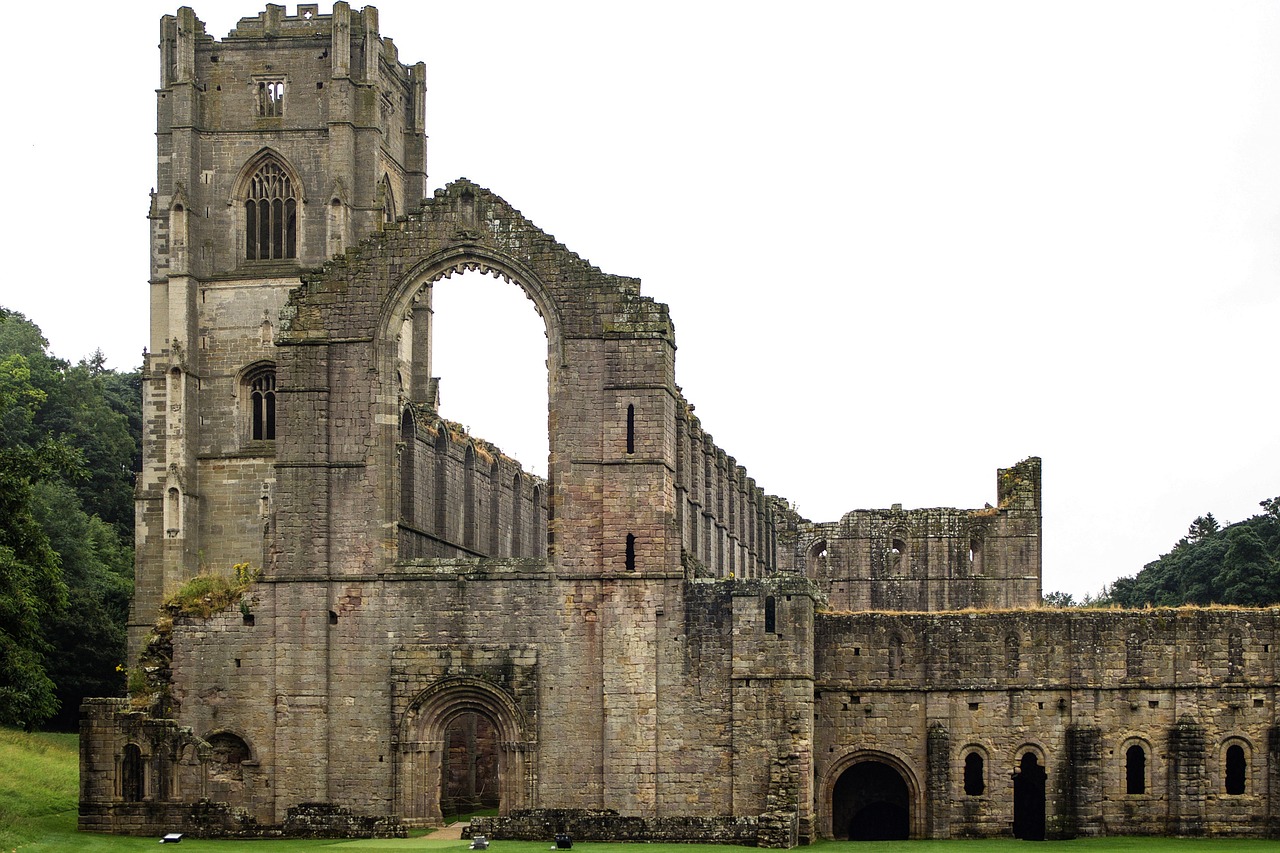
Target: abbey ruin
646,644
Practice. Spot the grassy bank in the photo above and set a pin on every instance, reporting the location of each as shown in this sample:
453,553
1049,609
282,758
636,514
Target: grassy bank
38,779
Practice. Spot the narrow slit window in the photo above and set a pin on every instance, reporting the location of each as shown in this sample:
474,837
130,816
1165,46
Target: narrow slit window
631,429
770,615
631,552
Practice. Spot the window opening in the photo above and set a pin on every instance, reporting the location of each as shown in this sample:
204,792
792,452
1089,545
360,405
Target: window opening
631,428
1235,768
262,405
271,215
770,615
270,98
631,552
131,775
975,783
501,400
1135,770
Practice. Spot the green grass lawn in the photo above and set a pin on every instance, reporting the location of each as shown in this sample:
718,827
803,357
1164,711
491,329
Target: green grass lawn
38,815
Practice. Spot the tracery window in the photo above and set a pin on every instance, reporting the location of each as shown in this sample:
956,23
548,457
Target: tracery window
271,215
262,404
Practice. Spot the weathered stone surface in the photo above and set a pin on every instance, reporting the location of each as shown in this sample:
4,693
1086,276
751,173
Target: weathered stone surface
655,647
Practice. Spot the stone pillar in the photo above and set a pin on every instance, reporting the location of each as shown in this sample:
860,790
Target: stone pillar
938,784
1187,778
1082,793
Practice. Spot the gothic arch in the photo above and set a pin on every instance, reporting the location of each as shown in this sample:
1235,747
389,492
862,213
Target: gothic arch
826,786
339,331
242,189
421,733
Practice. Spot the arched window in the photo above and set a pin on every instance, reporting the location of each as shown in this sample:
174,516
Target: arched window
975,776
227,753
1135,770
270,215
132,779
261,386
1235,767
387,200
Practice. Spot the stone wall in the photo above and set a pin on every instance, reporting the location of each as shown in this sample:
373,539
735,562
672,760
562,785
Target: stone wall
1077,689
928,559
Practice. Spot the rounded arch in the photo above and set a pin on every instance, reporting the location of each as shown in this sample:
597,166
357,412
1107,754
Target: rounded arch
1029,786
255,391
815,557
891,759
455,260
1235,755
422,733
975,764
1134,764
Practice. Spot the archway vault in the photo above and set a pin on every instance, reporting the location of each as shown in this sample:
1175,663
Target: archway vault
895,760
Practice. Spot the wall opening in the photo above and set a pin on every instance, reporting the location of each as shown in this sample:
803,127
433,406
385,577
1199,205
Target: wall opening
1234,774
1028,799
871,802
131,775
469,766
770,615
1135,770
631,428
630,557
489,348
975,777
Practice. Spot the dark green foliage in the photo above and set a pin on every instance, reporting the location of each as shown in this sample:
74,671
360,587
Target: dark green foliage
69,439
1239,565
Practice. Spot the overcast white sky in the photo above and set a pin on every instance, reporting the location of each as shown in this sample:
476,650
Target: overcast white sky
903,243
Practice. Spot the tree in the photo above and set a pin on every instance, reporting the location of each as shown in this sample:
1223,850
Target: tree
1204,525
31,585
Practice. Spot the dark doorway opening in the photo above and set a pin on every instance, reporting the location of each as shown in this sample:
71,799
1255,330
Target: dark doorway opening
1028,799
871,803
469,766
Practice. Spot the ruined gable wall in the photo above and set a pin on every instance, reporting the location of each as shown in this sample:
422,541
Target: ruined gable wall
929,559
1078,688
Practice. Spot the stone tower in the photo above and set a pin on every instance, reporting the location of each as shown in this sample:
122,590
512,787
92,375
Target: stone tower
278,147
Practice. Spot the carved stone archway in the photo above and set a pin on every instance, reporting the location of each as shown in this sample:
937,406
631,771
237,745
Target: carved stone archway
422,739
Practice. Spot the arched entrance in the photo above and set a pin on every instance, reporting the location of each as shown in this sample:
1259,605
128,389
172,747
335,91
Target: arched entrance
469,778
461,748
1028,799
871,802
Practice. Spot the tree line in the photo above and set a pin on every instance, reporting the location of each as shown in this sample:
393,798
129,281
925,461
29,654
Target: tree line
70,442
1236,565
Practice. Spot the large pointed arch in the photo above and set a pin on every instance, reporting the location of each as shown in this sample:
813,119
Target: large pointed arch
342,336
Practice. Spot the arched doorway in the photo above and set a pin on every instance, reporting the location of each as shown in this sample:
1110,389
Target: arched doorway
871,802
469,779
462,748
1028,799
